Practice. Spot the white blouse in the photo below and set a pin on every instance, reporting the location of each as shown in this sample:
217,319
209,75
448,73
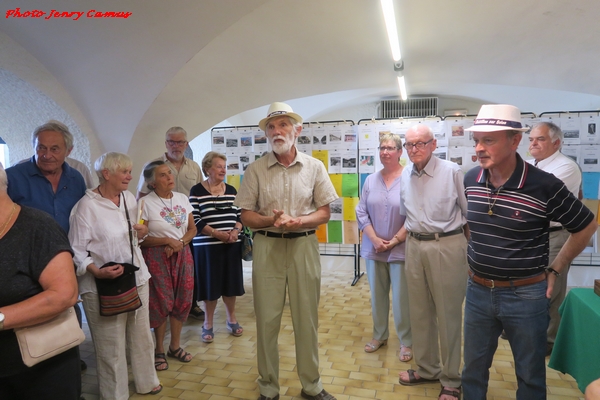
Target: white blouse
99,234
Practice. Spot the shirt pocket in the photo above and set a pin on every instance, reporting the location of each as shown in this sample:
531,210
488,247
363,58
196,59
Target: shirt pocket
440,208
191,176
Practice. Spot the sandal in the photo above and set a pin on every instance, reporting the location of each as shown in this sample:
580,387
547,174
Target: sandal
160,359
374,345
156,390
235,329
449,392
207,335
413,380
405,353
180,354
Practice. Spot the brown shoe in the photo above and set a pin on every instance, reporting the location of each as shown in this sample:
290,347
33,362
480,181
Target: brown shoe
263,397
321,396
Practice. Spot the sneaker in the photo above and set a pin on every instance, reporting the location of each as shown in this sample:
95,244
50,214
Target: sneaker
83,366
196,312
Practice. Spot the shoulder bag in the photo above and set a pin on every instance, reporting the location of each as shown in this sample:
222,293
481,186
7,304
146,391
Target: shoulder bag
119,295
48,339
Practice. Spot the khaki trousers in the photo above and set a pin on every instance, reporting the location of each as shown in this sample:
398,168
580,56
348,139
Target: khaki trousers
557,240
436,273
292,264
113,337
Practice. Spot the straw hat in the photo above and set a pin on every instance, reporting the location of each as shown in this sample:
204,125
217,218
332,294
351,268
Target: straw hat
498,117
278,109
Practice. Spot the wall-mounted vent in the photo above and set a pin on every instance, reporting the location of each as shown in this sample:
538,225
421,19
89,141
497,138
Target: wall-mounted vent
413,107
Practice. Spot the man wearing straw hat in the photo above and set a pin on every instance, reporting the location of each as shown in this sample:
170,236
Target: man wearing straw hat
511,204
284,197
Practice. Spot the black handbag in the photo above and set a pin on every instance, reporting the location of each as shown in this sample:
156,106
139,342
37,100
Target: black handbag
119,295
246,244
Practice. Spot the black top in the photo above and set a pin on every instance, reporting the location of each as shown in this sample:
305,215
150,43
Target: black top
25,250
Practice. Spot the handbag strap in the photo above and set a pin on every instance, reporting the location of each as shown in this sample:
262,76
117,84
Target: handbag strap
129,225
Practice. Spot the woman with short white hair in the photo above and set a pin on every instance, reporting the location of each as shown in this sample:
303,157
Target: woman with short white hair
100,233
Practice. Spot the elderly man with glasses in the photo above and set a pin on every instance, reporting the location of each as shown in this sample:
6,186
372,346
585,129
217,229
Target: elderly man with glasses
433,200
186,172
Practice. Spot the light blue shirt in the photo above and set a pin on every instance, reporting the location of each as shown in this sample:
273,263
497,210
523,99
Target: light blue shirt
434,200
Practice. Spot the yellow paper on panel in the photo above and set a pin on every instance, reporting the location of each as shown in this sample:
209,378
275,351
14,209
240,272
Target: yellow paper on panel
593,205
349,208
336,180
323,156
350,232
321,233
234,180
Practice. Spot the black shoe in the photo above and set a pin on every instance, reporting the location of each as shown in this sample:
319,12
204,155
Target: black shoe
83,365
503,336
321,396
196,312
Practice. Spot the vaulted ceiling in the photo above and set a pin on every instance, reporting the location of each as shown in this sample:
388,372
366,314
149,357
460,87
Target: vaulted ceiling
195,63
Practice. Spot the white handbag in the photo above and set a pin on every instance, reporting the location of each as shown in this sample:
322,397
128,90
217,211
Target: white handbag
43,341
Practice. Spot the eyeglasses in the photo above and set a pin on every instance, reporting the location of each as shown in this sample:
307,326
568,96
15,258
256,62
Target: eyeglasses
418,145
176,142
386,148
219,205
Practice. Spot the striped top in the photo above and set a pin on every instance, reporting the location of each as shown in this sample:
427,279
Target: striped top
215,211
513,241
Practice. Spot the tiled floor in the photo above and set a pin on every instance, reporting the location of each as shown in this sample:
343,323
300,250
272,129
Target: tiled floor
226,368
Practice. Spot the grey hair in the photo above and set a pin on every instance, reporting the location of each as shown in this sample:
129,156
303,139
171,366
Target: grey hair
417,127
392,137
174,130
554,131
149,176
112,162
53,126
3,179
208,159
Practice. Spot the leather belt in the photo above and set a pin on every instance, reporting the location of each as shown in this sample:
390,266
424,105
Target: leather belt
282,235
434,236
556,228
491,283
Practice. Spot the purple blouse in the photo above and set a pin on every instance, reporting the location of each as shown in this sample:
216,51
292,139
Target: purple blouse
380,207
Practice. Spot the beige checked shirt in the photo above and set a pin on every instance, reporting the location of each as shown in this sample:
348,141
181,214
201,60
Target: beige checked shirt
298,189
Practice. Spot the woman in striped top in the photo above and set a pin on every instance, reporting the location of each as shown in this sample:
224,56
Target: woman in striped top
217,248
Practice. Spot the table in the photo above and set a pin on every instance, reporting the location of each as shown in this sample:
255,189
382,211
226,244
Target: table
577,347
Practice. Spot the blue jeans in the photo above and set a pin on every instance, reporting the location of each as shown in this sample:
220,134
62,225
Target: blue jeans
523,313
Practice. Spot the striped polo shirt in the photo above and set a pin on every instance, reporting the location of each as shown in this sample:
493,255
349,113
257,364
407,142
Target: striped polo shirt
512,242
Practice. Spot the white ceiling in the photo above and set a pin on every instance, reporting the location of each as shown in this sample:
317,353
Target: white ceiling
195,63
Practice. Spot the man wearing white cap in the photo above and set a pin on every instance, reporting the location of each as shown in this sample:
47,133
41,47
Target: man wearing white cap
545,142
511,205
284,196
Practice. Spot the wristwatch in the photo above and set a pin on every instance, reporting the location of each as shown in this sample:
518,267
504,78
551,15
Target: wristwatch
1,321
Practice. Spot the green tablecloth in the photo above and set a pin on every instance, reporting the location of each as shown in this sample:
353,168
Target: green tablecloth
577,347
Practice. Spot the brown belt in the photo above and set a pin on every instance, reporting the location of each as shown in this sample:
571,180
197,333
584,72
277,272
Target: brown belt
434,236
491,283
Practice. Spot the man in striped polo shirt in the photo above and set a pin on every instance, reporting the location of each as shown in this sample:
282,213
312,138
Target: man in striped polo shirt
510,206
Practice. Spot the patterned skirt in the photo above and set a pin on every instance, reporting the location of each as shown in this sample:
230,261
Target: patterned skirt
172,284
